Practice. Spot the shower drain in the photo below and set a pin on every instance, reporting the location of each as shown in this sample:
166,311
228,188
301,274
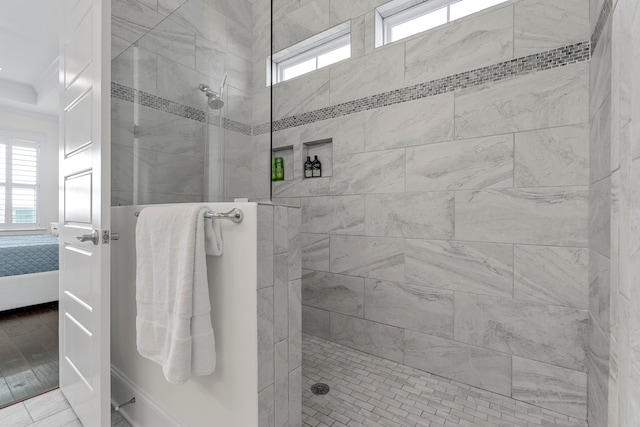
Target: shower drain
320,389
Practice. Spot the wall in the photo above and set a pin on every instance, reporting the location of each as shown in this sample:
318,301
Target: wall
162,51
450,231
614,362
49,177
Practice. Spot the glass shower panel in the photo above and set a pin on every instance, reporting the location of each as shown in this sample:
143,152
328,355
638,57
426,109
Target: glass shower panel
181,132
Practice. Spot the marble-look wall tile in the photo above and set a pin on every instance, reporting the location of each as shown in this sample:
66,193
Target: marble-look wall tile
552,275
334,215
168,173
179,83
543,25
305,21
377,72
461,165
202,19
281,384
265,338
417,308
333,292
143,62
479,268
398,215
171,134
122,168
173,41
315,322
346,133
340,11
544,99
295,324
558,389
600,216
422,121
295,243
280,230
600,70
600,143
118,45
315,251
552,157
265,246
461,45
371,337
549,334
130,19
372,257
471,365
305,93
378,172
598,381
600,290
266,405
295,397
280,297
556,216
302,187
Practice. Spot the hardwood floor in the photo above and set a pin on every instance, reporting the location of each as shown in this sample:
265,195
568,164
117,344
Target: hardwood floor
28,353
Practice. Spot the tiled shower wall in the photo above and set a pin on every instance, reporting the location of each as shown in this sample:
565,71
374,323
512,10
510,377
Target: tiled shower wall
162,50
450,230
614,358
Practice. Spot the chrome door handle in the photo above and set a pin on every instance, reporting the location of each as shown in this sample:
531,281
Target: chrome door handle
93,237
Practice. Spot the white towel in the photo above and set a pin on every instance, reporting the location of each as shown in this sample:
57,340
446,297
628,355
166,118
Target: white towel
173,320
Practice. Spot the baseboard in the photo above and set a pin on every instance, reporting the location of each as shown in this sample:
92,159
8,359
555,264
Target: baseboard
145,411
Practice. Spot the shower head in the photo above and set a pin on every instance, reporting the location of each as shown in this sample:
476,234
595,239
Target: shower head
214,99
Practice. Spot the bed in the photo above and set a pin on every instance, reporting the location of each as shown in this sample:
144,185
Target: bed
28,270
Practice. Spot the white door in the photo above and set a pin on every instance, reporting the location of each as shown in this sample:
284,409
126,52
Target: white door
84,209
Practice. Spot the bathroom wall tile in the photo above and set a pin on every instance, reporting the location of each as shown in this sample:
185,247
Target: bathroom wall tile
305,93
459,46
173,174
485,369
340,11
558,389
598,382
186,91
265,246
265,338
334,215
171,134
280,297
543,25
300,24
333,292
397,215
118,45
295,397
544,99
167,7
461,165
370,337
238,11
238,156
379,172
422,121
173,41
377,72
315,251
549,334
417,308
358,36
600,216
122,168
600,70
121,122
372,257
295,324
130,19
121,198
302,187
210,59
283,7
479,268
239,43
552,157
281,384
315,322
280,229
555,216
202,19
600,290
163,198
122,69
295,244
600,143
552,275
261,167
266,407
240,77
346,133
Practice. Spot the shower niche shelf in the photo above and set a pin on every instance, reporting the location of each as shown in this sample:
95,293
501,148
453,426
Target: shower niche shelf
286,152
322,148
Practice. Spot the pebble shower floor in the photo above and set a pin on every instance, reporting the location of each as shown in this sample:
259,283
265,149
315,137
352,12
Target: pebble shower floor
369,391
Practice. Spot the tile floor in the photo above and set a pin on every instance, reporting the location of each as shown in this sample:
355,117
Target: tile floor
369,391
365,391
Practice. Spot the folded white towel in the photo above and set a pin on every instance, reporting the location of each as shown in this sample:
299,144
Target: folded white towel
173,320
213,237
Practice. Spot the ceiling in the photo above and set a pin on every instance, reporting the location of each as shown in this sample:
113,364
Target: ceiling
29,34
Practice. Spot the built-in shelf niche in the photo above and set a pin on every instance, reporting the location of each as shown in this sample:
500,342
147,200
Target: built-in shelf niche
322,148
286,152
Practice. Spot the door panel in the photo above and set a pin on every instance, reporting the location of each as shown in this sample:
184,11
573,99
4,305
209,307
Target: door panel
84,209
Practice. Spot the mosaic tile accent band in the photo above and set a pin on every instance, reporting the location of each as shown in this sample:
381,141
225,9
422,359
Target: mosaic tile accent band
554,58
602,20
145,99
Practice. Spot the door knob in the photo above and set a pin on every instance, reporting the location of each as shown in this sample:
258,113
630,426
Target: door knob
93,237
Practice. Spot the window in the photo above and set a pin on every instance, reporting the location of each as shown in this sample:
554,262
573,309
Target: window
403,18
319,51
19,182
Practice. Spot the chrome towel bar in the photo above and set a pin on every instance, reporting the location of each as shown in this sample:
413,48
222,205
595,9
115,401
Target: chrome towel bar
234,215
